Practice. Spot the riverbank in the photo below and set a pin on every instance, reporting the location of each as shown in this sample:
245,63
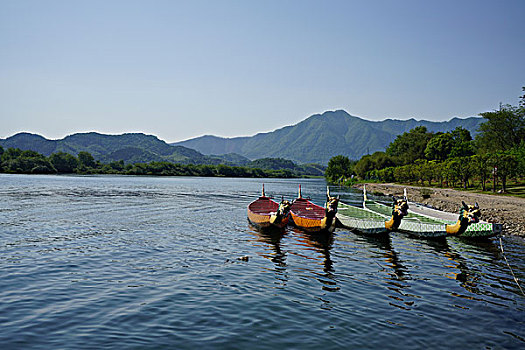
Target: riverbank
506,210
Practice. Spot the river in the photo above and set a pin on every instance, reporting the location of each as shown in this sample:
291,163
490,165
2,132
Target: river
117,262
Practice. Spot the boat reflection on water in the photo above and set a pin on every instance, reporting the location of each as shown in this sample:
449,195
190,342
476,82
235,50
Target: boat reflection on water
399,272
461,273
273,252
470,278
395,272
321,244
398,276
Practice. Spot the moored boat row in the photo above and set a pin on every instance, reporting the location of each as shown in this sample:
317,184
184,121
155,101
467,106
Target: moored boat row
264,213
423,222
373,218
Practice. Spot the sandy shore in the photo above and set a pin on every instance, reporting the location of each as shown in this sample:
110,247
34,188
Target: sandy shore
509,211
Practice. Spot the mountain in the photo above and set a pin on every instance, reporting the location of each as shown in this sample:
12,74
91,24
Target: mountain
132,148
313,140
322,136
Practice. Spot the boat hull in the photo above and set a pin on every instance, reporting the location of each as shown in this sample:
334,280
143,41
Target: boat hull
370,220
306,224
423,222
260,213
310,217
361,221
476,230
422,230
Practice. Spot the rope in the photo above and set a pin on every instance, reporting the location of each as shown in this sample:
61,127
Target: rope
512,272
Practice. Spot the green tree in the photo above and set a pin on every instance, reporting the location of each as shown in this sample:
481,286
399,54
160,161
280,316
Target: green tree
382,160
481,168
64,162
502,130
461,134
11,153
439,171
364,165
428,171
506,165
387,174
117,165
404,173
451,171
86,159
410,145
339,168
28,162
462,143
439,147
376,161
462,169
519,153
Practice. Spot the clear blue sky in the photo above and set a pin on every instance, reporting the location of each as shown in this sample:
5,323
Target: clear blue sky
180,69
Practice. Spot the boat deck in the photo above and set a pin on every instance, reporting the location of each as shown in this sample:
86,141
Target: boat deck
263,205
412,216
429,212
358,213
424,219
304,208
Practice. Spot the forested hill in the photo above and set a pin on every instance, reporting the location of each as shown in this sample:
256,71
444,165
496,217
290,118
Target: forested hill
322,136
132,148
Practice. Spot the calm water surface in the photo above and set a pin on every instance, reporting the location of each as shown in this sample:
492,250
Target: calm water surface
151,262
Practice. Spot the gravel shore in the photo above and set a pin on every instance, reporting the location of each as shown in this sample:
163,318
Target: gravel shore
506,210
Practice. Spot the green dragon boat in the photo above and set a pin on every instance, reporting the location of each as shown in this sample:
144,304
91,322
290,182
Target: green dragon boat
361,220
427,222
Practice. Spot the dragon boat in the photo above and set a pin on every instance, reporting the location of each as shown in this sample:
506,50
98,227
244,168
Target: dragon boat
265,213
466,225
313,218
369,222
427,222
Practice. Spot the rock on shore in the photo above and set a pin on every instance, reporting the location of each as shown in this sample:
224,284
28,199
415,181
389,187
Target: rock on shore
506,210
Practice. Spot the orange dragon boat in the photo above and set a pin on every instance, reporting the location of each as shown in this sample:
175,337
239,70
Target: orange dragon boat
313,218
265,213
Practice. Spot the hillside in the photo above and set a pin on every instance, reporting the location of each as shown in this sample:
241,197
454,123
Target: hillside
313,140
141,148
132,148
322,136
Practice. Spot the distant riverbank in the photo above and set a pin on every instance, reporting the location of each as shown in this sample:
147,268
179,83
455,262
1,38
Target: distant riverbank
509,211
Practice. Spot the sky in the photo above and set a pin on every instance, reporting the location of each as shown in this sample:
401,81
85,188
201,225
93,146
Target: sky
182,69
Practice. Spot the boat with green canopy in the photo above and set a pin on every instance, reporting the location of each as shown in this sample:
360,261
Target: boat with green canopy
428,222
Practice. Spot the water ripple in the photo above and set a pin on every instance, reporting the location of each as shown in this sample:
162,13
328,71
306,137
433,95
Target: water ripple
144,262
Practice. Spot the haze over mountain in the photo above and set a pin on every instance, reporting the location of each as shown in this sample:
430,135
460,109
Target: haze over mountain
322,136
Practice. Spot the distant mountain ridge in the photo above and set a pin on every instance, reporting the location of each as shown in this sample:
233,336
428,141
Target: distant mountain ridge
131,147
313,140
322,136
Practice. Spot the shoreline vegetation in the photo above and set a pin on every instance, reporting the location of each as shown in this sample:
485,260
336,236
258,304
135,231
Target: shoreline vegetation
506,210
17,161
450,159
451,167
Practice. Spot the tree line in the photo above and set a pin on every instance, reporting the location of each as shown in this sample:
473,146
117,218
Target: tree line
452,159
14,160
